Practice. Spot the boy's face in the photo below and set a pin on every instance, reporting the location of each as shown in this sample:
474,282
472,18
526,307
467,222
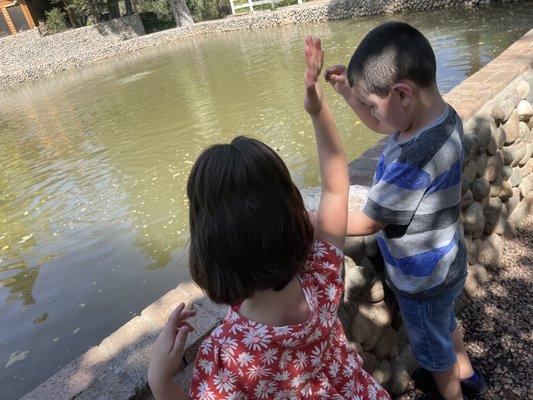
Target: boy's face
391,110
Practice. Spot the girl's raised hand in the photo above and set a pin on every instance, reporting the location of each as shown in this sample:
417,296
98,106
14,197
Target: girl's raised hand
314,56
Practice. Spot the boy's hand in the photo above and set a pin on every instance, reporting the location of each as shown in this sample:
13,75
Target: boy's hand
337,77
314,56
169,347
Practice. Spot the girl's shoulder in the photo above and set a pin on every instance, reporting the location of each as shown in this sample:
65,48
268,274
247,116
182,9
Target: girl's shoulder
324,257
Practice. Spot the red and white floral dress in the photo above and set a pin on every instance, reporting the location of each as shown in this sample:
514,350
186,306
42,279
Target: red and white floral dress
243,359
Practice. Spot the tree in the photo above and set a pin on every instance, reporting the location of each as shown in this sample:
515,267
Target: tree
182,15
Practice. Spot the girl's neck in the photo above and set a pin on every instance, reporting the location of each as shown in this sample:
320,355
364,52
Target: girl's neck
285,307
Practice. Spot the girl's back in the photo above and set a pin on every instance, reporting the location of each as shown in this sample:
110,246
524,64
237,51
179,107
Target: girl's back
244,359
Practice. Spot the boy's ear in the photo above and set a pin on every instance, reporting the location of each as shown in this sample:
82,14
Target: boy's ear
404,91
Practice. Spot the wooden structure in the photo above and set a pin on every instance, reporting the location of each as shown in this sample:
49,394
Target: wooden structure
251,3
15,16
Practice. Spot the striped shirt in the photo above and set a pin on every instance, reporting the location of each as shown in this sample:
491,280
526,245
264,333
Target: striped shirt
417,193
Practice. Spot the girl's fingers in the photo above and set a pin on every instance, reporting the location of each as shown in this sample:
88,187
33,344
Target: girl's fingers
185,323
186,314
174,318
320,55
180,341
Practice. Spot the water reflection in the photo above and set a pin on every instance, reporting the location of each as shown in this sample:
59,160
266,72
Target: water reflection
94,162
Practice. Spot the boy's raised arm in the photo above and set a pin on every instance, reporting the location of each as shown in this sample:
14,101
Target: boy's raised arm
333,208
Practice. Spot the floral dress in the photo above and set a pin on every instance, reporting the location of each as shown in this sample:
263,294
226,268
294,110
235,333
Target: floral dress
243,359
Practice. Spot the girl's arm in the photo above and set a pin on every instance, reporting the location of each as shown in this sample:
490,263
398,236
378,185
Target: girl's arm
167,356
333,208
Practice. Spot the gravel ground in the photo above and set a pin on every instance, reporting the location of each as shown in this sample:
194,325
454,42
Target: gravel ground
497,324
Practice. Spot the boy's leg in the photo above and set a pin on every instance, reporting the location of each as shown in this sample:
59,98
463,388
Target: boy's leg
448,383
465,366
429,324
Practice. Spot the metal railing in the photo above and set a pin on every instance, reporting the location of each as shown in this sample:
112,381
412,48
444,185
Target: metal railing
251,3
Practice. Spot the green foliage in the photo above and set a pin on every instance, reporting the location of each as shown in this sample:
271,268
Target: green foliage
202,10
55,21
161,8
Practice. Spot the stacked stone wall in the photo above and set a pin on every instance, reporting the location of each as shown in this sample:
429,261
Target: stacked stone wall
28,55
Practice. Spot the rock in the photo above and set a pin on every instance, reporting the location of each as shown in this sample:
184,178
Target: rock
524,110
506,172
505,192
496,185
471,287
481,164
527,155
473,219
492,214
511,128
508,154
480,189
371,246
484,203
383,373
469,174
345,317
513,200
362,328
483,129
493,168
516,178
523,89
402,366
499,137
380,317
490,250
467,199
527,185
472,248
521,211
357,279
501,226
527,168
520,149
524,132
387,343
497,112
507,107
370,362
376,292
471,145
354,247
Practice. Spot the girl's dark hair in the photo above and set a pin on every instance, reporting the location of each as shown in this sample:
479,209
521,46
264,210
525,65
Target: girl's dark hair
249,227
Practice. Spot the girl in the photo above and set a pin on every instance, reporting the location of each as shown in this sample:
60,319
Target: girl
254,247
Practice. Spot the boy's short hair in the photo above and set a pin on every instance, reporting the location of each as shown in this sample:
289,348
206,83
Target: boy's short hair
249,226
389,53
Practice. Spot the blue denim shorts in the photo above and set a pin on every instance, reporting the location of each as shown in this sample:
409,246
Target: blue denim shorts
428,323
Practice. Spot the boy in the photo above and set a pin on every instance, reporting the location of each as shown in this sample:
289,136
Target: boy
414,202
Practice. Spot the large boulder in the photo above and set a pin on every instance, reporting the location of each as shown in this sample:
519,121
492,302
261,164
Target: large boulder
522,210
516,177
481,164
523,89
524,110
402,368
474,220
387,344
354,247
469,174
480,189
503,110
376,292
492,214
490,250
357,279
511,128
383,373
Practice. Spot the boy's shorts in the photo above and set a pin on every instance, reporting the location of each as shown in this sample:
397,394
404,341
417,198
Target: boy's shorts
428,323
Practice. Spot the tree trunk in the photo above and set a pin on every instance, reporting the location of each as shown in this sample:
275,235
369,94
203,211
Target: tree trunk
182,15
112,7
129,7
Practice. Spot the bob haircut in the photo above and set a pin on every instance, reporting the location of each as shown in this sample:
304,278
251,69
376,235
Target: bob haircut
249,227
389,53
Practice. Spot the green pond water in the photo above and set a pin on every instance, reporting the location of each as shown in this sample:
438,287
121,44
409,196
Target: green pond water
93,165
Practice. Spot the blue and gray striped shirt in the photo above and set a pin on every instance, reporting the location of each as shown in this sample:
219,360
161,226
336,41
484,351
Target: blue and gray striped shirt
417,193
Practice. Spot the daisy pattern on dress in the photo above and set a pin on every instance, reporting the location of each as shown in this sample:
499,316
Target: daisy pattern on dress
244,359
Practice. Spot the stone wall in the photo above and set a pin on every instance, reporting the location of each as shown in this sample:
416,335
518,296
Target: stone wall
495,105
27,56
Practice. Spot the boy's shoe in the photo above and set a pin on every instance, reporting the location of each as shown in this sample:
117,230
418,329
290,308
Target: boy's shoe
473,388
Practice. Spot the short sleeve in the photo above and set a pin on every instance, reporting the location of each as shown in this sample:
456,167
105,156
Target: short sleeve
397,193
323,272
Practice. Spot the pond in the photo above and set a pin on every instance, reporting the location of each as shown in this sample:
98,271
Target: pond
93,165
